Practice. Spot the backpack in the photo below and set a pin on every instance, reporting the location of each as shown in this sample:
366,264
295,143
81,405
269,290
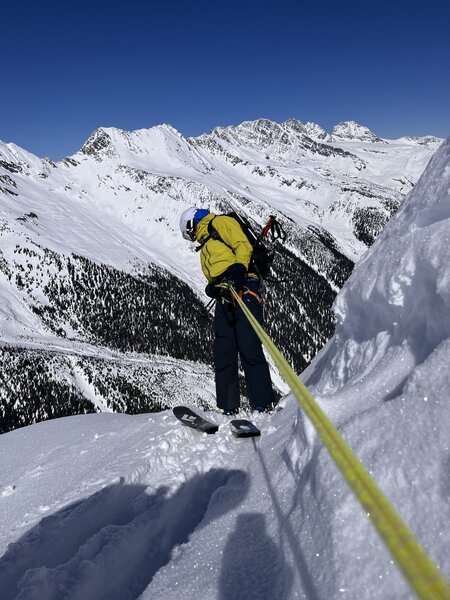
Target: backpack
262,256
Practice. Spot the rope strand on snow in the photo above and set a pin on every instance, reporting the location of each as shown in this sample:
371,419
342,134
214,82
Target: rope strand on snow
418,568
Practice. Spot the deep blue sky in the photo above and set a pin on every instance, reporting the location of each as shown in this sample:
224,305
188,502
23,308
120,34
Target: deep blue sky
70,67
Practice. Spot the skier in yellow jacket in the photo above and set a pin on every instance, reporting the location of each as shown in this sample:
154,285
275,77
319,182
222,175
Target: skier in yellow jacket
226,257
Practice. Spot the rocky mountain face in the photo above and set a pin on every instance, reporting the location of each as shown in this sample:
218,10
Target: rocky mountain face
101,300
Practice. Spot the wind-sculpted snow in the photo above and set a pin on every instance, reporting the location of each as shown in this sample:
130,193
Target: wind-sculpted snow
398,298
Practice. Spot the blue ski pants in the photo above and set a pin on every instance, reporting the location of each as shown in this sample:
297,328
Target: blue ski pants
234,337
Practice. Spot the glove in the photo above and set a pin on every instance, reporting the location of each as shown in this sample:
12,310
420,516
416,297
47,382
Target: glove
236,275
213,291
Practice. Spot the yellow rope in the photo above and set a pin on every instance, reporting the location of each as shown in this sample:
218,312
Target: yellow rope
418,568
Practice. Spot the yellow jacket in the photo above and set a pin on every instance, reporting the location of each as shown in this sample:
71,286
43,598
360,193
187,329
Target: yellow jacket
216,256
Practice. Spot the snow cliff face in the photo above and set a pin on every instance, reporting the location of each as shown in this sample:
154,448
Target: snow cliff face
92,262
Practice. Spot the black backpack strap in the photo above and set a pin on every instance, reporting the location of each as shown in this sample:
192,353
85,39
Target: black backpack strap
213,234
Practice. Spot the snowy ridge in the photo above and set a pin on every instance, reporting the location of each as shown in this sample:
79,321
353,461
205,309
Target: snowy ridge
116,506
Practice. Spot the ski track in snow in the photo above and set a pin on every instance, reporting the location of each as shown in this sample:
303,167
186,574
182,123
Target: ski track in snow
142,497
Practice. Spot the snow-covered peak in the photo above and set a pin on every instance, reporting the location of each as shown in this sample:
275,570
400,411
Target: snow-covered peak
315,131
112,141
159,149
295,125
98,143
350,130
310,129
16,159
287,141
259,133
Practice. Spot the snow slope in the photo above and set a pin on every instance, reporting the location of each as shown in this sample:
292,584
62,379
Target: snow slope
116,506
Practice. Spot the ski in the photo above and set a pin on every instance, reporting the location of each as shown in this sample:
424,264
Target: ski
242,428
191,419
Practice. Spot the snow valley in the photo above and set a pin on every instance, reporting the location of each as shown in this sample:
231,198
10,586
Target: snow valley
102,302
120,506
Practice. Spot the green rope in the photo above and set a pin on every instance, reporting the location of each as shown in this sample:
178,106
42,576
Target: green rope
418,568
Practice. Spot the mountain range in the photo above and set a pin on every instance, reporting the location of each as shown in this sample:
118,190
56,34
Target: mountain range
101,300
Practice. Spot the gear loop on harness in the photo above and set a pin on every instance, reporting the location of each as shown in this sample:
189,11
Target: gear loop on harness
246,291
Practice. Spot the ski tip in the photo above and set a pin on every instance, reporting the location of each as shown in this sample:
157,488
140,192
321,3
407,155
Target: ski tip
192,419
242,428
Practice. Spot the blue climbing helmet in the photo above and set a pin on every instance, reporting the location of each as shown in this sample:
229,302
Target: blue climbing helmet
189,220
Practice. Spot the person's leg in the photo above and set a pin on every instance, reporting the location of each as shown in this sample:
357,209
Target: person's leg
256,369
226,359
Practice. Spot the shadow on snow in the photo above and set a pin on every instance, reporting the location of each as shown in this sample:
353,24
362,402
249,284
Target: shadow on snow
111,544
